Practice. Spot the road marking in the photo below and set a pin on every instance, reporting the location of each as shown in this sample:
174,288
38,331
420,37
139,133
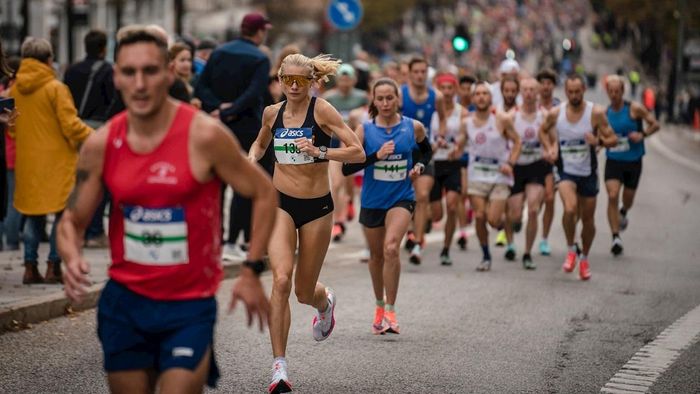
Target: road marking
652,360
672,155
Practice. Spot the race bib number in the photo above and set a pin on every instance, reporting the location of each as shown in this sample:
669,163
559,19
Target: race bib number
575,151
286,150
155,236
623,145
393,169
486,169
530,152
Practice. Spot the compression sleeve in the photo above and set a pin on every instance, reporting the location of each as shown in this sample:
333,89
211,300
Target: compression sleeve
426,151
351,168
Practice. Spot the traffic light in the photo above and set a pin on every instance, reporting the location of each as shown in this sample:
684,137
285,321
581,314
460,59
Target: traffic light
461,39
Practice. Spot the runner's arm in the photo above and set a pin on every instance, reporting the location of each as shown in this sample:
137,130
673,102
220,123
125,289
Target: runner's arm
548,135
351,168
442,113
423,144
329,119
510,133
606,135
257,150
640,112
82,203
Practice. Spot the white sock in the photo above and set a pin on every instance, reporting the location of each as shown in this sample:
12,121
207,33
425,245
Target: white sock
281,360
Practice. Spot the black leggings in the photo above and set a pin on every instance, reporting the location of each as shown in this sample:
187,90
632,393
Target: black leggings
306,210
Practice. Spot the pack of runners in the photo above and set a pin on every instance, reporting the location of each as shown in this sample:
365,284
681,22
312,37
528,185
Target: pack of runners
426,150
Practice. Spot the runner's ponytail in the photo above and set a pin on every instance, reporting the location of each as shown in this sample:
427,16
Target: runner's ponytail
320,67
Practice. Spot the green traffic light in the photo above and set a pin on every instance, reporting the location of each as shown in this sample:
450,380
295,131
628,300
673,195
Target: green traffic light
460,44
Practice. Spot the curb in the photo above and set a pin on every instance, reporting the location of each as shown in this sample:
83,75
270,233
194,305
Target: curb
660,147
23,314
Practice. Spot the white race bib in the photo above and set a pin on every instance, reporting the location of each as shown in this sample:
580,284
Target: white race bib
442,154
530,152
623,145
286,150
575,151
393,169
486,169
155,236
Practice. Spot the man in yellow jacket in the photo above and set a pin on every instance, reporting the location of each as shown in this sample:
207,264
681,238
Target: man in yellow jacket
48,135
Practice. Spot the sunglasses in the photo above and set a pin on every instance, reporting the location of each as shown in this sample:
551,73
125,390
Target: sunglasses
302,81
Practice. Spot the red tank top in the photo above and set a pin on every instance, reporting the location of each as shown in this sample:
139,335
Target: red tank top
164,227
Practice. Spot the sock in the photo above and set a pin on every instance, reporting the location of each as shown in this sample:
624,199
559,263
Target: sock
572,248
544,239
281,360
616,235
389,308
623,211
380,303
463,231
485,251
444,252
583,257
511,245
526,256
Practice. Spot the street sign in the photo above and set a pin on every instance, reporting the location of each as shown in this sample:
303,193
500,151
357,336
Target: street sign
345,14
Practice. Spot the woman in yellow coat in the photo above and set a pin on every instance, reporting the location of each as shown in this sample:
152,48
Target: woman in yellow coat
48,135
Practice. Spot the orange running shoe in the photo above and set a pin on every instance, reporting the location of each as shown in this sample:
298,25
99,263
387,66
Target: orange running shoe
351,211
570,262
583,270
390,320
378,327
337,232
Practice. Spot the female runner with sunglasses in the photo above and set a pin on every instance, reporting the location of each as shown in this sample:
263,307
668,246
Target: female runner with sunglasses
300,129
388,199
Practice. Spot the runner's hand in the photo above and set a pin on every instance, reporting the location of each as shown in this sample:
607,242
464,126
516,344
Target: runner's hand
454,154
506,169
386,149
415,173
75,279
306,146
249,290
635,136
591,139
8,117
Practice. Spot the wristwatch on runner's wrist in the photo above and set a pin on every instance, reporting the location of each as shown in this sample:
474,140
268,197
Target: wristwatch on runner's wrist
421,168
258,266
322,152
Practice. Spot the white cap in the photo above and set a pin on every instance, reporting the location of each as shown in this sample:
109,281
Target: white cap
509,66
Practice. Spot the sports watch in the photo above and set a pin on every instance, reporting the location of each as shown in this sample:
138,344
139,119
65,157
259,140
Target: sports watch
322,152
258,266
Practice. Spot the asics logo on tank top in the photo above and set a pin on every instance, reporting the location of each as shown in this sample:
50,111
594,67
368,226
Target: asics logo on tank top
118,142
160,174
292,133
420,113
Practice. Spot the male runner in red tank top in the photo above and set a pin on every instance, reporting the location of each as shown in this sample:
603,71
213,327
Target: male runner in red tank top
163,163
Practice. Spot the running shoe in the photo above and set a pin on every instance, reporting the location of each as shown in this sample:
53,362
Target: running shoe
337,232
233,252
410,241
545,250
570,262
415,255
470,216
364,257
378,326
324,322
462,241
510,252
578,249
583,270
528,264
445,258
484,266
351,211
501,239
280,382
623,221
390,321
617,247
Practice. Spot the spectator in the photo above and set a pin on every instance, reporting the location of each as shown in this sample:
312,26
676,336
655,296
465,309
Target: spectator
7,118
201,55
11,222
232,87
90,82
93,72
48,136
181,64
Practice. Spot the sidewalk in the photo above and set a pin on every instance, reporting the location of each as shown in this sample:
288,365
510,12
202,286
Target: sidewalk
678,143
23,305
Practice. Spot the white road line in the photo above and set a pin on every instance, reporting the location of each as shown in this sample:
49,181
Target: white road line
652,360
672,155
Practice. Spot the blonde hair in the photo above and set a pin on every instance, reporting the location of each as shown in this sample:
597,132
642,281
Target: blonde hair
287,50
615,78
37,48
320,67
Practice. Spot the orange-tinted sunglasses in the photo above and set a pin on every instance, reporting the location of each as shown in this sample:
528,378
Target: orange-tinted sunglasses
302,81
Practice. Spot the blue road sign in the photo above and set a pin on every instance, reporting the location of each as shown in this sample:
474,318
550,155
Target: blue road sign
345,14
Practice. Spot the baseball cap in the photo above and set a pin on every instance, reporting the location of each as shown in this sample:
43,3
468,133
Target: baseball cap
509,66
207,43
254,22
346,69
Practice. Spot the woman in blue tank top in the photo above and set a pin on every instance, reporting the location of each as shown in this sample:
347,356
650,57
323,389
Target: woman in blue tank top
388,199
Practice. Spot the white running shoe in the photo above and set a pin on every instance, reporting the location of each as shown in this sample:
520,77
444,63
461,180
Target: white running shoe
233,252
324,322
415,254
364,257
280,381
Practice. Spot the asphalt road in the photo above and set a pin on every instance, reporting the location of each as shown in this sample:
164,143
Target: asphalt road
508,330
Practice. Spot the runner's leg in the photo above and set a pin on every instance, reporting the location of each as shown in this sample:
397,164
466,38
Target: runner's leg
281,250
